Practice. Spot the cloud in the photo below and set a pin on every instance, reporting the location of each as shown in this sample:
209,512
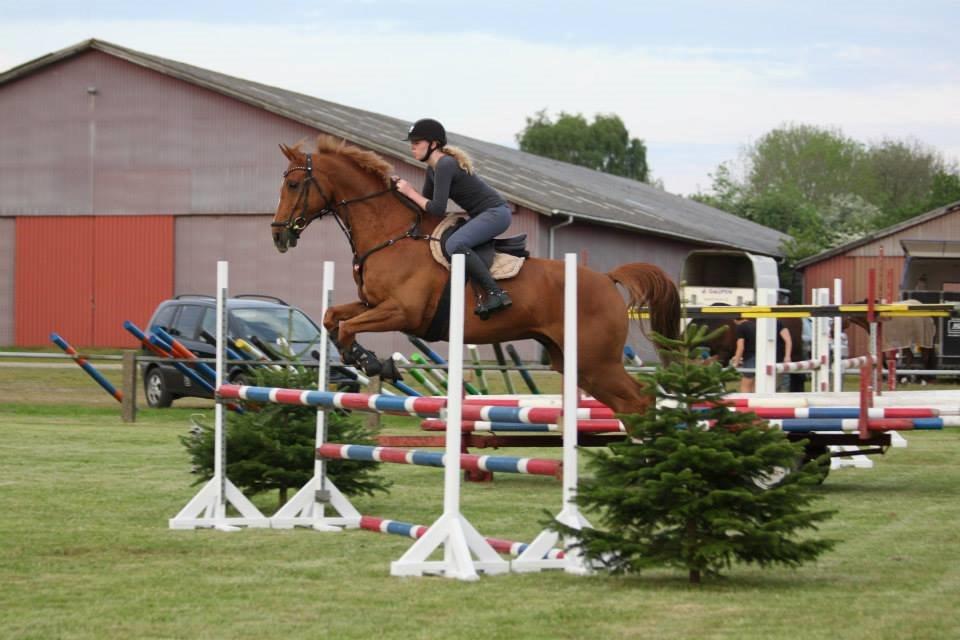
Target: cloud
695,106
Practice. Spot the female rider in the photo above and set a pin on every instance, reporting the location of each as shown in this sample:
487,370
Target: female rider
450,176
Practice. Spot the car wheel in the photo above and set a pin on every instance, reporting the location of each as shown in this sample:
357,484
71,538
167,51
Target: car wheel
155,389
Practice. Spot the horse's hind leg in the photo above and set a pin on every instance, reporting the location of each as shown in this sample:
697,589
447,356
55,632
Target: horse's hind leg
614,387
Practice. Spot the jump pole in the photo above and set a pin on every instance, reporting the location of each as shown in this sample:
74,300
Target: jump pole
533,557
308,507
459,539
766,345
837,338
208,509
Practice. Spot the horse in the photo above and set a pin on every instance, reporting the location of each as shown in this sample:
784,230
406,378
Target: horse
400,284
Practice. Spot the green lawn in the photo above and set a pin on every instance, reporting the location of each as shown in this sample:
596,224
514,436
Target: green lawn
85,552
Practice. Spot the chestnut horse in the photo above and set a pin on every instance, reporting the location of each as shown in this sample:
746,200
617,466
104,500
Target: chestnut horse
400,284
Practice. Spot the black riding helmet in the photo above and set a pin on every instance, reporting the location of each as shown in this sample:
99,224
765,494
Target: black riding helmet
429,130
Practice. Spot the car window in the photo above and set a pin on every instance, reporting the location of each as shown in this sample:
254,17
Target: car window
270,323
164,316
187,323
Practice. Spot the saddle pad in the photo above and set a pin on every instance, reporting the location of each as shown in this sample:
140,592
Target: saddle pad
504,266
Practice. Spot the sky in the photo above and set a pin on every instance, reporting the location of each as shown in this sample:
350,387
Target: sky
698,81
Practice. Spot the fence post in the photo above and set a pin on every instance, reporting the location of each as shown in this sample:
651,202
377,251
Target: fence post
128,406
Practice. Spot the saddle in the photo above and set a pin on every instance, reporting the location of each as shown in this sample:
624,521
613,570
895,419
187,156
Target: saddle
503,256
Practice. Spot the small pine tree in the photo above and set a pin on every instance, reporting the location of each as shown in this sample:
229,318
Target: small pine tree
273,446
680,493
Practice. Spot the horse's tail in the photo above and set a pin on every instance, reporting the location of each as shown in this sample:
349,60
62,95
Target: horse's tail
650,287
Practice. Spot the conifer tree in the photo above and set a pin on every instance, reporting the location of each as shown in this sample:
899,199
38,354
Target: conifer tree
688,488
273,446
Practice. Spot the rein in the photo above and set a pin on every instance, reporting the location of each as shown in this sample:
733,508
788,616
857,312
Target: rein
296,225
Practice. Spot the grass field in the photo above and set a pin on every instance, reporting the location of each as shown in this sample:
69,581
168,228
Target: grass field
85,551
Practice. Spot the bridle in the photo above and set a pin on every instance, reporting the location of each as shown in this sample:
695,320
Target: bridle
295,225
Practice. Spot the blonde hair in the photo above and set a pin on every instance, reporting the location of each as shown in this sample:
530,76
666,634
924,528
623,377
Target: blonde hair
461,156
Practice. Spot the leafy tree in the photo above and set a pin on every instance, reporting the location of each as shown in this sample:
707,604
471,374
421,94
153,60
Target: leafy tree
807,162
273,446
604,144
825,189
681,494
904,175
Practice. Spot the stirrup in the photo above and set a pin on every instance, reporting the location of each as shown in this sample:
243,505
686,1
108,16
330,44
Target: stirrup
497,300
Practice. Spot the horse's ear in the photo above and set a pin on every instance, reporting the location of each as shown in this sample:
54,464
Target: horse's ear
286,151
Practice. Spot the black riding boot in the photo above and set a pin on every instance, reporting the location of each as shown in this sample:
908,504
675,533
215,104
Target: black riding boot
496,298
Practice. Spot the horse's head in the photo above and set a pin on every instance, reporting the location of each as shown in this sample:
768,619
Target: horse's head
304,196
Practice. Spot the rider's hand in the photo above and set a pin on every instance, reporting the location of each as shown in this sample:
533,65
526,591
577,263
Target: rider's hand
403,186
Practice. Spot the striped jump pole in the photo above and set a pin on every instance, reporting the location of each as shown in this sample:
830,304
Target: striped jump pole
159,348
481,380
84,364
417,531
518,362
842,412
417,375
471,426
424,407
437,375
543,415
208,508
800,365
468,461
854,425
502,362
436,358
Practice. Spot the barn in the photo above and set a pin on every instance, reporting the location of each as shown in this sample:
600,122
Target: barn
882,250
125,176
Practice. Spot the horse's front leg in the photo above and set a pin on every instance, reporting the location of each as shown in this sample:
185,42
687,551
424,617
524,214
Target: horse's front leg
337,314
386,316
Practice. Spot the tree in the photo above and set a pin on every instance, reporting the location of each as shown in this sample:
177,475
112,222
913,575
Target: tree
806,162
904,174
825,189
273,446
604,144
679,493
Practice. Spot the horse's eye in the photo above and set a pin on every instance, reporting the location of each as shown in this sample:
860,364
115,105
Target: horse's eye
291,184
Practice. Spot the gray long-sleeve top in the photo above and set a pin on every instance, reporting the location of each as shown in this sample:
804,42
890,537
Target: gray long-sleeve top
449,181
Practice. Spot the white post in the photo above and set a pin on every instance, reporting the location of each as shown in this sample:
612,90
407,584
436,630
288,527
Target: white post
820,343
208,509
837,338
452,531
306,508
532,558
766,344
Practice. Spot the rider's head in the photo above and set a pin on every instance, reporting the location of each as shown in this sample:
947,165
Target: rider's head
429,131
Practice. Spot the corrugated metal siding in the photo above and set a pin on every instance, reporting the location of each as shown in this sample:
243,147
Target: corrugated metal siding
54,280
604,248
945,226
854,272
8,230
82,276
133,272
145,143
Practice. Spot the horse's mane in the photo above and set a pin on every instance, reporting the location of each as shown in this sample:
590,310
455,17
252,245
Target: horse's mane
367,160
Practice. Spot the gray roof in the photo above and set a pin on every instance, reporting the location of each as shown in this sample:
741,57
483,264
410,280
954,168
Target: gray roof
880,234
546,186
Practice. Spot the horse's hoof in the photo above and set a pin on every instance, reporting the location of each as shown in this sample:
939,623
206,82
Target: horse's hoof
389,371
